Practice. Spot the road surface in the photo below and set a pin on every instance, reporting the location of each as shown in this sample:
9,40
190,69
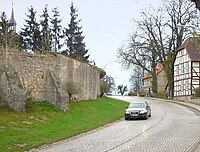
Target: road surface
171,128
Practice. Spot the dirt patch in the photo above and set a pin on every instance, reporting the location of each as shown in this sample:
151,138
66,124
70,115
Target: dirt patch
27,122
20,145
20,128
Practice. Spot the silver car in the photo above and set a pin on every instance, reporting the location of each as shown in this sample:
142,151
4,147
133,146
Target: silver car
139,109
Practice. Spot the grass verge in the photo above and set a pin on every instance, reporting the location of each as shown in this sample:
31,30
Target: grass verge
43,123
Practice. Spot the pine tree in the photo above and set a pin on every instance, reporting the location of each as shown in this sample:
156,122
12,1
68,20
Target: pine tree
74,39
3,30
8,38
56,30
45,32
31,33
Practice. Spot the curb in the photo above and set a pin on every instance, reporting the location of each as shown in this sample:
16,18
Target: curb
190,105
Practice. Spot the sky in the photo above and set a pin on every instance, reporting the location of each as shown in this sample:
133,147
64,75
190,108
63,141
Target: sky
106,25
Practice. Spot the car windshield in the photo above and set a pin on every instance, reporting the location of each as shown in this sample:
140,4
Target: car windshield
137,105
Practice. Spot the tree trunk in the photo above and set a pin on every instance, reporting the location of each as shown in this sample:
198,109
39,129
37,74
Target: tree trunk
154,81
169,70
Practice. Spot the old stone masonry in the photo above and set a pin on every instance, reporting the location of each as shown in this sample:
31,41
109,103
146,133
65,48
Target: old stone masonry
41,77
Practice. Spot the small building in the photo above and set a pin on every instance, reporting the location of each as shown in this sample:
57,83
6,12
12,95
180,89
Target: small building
161,80
187,69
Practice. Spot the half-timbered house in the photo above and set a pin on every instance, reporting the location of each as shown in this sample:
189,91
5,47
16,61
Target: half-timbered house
187,69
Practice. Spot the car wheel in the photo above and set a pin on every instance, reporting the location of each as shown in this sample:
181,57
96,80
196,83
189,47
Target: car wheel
146,117
150,114
126,118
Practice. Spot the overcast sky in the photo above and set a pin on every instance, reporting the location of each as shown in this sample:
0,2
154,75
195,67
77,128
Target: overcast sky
106,25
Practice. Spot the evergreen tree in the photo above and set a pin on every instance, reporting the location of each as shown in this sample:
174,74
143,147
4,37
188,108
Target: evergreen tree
8,38
3,30
45,32
56,30
31,36
74,38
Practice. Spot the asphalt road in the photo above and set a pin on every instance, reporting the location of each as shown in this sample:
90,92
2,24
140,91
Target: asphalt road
171,128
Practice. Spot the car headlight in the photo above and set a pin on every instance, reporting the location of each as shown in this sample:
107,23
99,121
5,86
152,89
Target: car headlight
127,112
143,111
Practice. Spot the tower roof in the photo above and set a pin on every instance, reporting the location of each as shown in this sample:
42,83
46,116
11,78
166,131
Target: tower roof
12,19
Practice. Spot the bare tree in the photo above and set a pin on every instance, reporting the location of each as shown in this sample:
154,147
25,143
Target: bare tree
72,88
197,3
142,50
135,79
107,83
122,89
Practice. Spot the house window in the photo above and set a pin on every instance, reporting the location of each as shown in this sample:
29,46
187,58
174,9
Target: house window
186,67
184,52
175,70
179,69
187,84
195,64
182,68
182,84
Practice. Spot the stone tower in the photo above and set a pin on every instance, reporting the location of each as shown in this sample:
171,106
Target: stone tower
12,21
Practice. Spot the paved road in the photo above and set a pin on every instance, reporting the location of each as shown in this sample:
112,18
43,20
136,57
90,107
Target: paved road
172,128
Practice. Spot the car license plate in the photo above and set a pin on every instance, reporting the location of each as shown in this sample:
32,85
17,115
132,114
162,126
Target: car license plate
134,114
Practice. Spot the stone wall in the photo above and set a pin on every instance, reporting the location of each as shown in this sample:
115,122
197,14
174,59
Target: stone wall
44,76
182,98
12,92
195,100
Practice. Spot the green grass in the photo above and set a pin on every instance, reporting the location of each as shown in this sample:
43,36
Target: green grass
43,123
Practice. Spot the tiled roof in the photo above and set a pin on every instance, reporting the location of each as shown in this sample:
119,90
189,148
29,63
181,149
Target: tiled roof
192,45
159,68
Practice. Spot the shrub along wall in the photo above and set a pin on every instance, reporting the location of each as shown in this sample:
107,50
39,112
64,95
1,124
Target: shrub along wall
44,75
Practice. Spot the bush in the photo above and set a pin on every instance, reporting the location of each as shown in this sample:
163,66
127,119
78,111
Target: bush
142,93
160,94
132,93
197,92
72,88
